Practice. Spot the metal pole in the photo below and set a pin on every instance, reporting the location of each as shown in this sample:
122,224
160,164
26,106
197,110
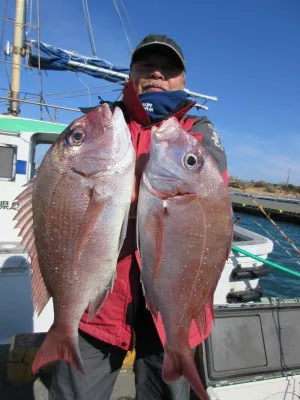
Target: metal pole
42,104
288,177
17,54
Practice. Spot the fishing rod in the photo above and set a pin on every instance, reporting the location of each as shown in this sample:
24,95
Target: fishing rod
264,261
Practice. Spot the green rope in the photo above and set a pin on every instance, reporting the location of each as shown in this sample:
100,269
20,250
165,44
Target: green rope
272,264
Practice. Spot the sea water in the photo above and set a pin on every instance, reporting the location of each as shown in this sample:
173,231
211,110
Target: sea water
277,283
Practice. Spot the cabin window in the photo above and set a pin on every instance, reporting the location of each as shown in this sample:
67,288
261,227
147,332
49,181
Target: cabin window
8,155
41,143
39,153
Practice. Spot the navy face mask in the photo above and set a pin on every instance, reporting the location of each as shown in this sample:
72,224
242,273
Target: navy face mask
160,104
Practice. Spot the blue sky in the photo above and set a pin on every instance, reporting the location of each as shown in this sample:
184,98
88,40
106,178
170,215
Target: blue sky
244,52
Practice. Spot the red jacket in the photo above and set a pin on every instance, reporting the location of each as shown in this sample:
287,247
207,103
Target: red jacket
113,324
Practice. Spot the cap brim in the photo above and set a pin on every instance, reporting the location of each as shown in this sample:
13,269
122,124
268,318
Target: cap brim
161,48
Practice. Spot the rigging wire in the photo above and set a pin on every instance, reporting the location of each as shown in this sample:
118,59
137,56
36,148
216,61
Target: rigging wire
3,26
13,21
39,58
85,94
89,26
123,26
131,26
50,95
67,97
87,88
39,66
1,43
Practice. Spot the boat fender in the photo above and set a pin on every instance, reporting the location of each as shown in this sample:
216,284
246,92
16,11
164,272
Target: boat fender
244,296
239,273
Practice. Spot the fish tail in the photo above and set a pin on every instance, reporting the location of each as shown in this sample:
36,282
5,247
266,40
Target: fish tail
177,364
58,345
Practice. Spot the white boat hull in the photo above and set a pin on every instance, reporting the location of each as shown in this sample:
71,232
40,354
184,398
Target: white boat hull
16,309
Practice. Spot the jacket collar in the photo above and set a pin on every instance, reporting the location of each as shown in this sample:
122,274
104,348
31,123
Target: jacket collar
137,112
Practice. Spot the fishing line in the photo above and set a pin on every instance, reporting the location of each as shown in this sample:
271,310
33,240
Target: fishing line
284,393
269,218
276,241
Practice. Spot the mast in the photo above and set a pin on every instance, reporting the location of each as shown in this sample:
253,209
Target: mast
18,52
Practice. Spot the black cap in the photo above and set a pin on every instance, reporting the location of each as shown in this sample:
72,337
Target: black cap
159,44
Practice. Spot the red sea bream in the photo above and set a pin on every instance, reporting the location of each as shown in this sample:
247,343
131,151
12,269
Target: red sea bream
185,226
73,220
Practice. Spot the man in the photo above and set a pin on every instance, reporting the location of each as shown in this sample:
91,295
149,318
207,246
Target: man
153,93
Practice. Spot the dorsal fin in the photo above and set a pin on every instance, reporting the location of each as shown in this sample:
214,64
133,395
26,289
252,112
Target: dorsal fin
23,205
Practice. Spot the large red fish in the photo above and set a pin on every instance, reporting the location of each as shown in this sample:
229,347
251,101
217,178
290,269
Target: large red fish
185,226
73,219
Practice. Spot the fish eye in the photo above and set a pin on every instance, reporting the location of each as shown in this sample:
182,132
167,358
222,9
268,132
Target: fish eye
76,137
191,161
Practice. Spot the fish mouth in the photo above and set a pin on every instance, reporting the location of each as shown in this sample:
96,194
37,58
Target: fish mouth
178,195
87,174
81,173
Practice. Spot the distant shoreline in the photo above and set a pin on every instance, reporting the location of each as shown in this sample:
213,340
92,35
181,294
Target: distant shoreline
262,191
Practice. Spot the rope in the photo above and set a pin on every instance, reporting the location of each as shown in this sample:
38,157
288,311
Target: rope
89,26
123,26
270,219
30,18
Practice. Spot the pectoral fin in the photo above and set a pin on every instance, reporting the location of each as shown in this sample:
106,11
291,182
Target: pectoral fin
153,232
95,208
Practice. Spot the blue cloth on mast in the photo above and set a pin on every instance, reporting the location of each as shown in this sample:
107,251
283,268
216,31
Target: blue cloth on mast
54,58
